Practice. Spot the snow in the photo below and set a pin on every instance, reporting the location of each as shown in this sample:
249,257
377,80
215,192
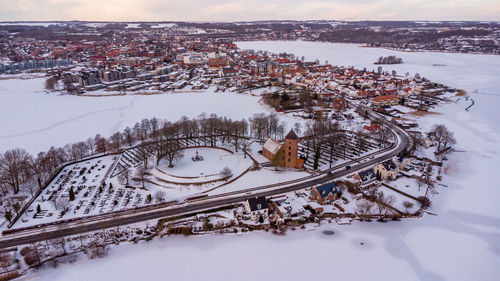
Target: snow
247,255
56,120
460,243
264,176
214,160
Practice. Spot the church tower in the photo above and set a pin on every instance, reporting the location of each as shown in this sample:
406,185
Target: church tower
291,148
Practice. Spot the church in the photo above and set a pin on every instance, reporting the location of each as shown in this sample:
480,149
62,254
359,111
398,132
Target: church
286,151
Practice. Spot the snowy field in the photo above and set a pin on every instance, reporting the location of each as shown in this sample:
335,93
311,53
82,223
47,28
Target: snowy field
214,160
462,242
27,113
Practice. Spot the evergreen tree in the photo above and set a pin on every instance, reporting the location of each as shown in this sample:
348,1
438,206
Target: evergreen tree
8,216
71,194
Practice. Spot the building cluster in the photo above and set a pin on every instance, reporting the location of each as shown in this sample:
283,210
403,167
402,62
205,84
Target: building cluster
23,66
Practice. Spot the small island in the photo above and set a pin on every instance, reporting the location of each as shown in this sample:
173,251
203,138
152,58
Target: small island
389,60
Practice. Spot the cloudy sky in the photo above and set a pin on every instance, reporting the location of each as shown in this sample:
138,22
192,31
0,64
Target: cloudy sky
243,10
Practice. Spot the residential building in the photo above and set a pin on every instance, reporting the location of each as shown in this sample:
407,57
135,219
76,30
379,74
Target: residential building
257,208
325,194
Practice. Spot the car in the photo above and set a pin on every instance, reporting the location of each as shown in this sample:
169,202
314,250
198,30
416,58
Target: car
347,167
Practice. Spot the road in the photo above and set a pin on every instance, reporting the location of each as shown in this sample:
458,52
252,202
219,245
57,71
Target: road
133,216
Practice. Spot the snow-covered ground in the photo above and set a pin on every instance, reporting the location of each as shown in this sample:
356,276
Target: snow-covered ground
27,113
214,160
462,242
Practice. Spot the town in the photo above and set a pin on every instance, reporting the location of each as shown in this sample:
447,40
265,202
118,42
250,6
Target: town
338,144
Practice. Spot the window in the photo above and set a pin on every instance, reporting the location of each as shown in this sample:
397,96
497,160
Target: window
289,154
289,148
289,159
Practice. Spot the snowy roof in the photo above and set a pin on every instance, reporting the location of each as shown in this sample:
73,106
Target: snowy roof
389,165
272,145
367,175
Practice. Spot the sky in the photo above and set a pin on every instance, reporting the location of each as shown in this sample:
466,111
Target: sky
248,10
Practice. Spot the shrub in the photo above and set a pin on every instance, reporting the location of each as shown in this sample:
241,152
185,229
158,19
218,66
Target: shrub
424,201
25,250
30,259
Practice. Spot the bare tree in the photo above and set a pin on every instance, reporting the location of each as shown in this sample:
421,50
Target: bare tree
259,125
62,204
61,242
381,206
407,205
91,145
442,136
14,165
383,134
173,152
389,201
125,175
159,196
5,260
317,131
141,174
364,208
239,130
96,249
226,173
32,186
245,146
128,136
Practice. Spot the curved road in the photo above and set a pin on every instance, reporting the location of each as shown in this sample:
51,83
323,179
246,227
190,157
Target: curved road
133,216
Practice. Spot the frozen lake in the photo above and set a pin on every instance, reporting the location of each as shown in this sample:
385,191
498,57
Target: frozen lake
461,243
35,121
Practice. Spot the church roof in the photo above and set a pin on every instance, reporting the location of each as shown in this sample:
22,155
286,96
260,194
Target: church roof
272,146
291,135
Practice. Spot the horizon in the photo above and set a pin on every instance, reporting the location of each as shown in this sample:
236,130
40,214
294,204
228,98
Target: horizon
245,10
246,21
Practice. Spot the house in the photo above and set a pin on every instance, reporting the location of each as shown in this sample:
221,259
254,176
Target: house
386,170
325,194
289,207
257,208
385,100
286,151
365,176
401,162
339,104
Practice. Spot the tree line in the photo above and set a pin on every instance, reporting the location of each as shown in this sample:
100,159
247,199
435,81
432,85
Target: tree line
20,169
